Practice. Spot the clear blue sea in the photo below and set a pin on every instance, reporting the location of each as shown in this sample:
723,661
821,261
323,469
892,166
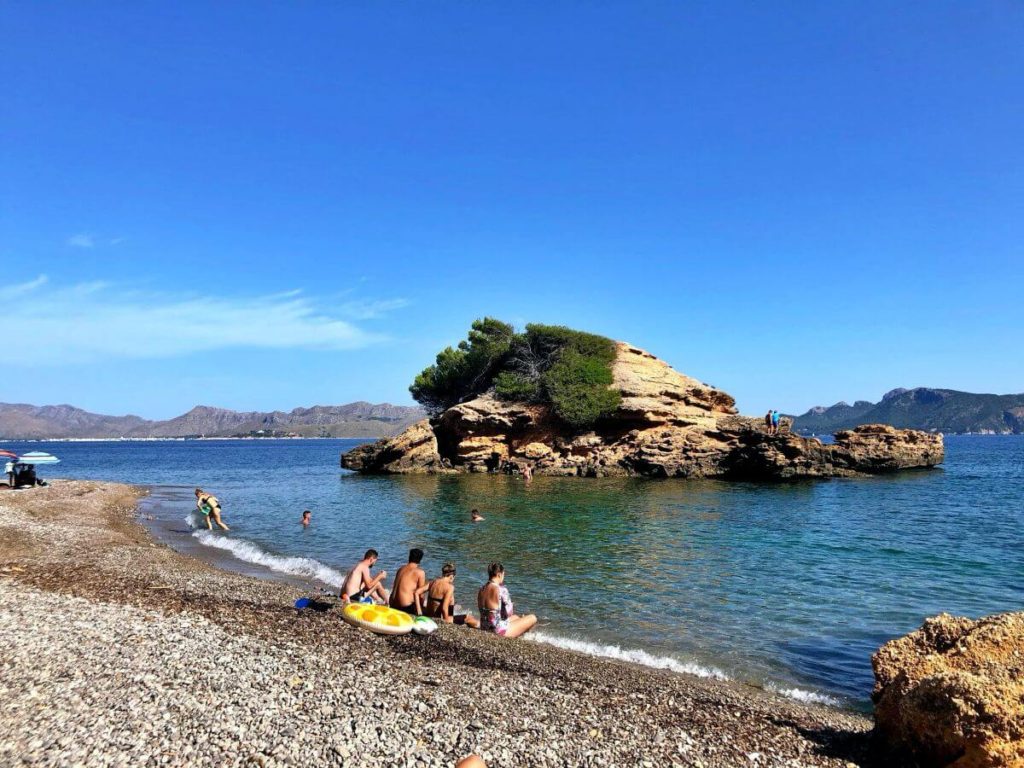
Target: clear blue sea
790,587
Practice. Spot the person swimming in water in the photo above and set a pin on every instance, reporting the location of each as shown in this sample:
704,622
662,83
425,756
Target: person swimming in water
306,518
207,504
496,609
475,516
441,599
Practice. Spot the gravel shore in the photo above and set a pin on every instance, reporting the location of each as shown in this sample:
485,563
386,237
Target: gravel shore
117,651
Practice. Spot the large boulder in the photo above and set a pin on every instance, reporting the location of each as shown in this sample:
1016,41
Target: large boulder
667,425
880,448
952,692
412,451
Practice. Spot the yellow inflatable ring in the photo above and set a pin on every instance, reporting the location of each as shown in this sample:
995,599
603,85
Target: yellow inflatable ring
377,618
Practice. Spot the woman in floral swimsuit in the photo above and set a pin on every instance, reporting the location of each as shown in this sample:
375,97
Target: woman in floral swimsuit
496,611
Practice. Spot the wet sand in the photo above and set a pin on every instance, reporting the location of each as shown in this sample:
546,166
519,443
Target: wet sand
116,650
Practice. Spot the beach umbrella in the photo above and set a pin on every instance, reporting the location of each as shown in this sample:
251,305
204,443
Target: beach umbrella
38,457
7,454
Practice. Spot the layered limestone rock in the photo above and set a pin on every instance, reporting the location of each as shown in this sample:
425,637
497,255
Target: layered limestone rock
668,425
412,451
952,693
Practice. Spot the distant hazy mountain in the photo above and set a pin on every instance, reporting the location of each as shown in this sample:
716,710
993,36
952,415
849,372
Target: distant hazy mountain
360,419
942,410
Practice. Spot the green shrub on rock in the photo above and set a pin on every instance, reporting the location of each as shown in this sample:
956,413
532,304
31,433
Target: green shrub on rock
579,389
568,369
461,373
518,387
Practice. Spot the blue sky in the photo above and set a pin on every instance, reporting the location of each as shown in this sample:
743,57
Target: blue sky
267,205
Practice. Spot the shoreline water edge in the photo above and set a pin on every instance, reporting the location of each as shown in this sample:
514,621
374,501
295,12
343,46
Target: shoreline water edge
119,644
160,514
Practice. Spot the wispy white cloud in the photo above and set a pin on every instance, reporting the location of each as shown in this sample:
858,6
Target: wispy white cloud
370,309
9,292
82,240
99,321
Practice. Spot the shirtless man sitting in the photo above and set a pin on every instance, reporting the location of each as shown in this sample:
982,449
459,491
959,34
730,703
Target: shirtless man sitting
410,584
359,583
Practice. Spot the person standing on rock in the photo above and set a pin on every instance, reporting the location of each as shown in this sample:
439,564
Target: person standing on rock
768,422
410,584
360,584
775,422
207,504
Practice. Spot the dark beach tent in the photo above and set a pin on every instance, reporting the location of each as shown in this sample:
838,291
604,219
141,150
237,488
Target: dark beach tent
37,458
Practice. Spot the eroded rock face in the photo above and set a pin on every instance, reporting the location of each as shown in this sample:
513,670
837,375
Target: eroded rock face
952,692
412,451
881,448
668,425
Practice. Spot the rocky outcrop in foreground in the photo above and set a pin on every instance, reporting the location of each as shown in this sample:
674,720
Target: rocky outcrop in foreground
952,693
668,425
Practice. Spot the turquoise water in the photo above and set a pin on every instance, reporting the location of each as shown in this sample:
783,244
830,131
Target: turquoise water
787,586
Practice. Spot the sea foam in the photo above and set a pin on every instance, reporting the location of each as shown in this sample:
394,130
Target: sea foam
247,551
808,697
635,655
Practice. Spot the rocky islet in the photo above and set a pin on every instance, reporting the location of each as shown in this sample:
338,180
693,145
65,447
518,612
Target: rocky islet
667,425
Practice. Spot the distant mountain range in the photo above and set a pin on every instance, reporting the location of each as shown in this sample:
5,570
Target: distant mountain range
940,410
19,421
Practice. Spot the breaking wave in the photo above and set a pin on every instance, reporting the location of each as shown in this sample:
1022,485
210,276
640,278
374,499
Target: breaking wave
246,551
808,697
634,655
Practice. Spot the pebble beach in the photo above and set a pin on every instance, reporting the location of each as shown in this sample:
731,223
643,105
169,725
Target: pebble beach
116,650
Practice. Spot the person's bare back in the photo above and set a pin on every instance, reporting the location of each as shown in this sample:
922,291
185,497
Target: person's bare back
441,599
410,584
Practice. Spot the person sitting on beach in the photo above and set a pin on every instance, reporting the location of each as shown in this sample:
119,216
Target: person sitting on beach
210,507
306,518
441,599
475,516
410,584
496,610
359,584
